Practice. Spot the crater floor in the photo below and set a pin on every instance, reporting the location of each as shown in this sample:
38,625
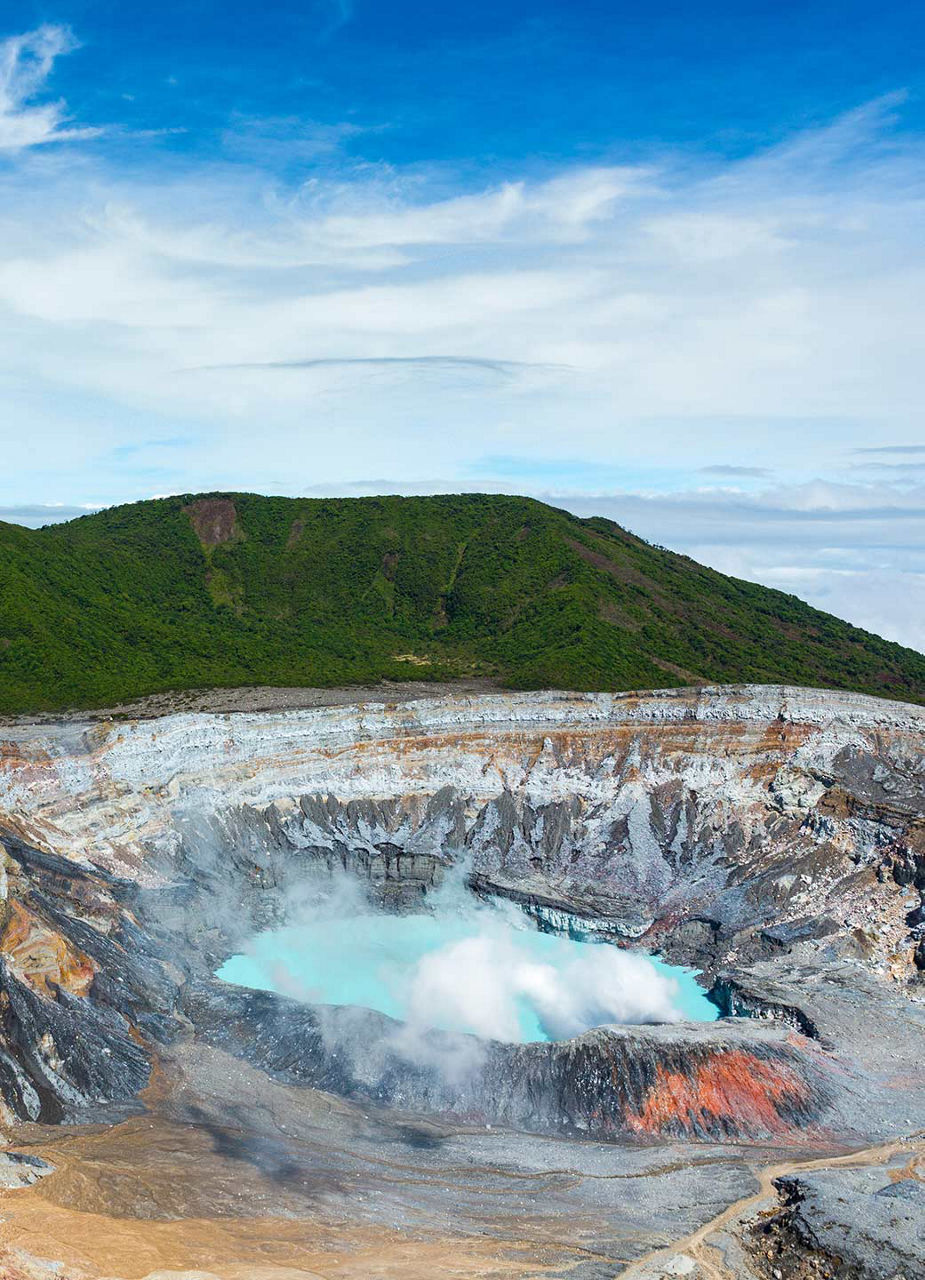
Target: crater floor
161,1123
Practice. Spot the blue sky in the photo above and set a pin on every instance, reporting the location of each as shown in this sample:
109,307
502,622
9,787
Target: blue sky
659,261
485,85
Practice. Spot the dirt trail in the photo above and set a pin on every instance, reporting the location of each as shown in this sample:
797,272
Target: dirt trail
696,1246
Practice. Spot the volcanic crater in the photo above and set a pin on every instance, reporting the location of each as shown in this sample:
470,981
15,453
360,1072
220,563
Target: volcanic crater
772,838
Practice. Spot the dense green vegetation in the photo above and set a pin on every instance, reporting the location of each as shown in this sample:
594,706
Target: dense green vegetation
225,589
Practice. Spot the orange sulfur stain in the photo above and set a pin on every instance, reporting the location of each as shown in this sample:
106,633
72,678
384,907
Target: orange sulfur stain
733,1088
41,957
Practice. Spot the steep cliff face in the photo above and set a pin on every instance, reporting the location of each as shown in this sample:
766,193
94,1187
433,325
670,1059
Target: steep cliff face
774,837
739,810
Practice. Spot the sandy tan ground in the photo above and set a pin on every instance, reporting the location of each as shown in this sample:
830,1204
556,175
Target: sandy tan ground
181,1192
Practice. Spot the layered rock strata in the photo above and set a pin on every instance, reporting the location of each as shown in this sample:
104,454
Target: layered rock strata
747,831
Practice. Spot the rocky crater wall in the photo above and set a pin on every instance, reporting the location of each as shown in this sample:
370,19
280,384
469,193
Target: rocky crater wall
741,830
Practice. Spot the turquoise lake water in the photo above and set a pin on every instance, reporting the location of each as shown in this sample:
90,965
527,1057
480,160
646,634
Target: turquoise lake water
483,969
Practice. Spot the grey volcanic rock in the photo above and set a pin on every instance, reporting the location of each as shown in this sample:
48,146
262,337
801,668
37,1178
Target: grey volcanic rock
855,1224
607,1082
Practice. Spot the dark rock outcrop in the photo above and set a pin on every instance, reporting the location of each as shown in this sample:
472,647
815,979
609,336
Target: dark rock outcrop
845,1224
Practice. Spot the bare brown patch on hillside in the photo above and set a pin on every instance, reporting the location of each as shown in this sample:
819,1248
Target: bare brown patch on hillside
620,571
607,611
689,677
215,521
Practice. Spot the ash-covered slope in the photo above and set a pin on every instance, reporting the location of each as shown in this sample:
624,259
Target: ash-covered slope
231,589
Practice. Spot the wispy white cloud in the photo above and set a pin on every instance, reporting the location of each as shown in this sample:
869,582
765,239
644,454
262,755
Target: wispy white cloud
26,62
291,139
911,450
689,331
742,291
728,471
382,211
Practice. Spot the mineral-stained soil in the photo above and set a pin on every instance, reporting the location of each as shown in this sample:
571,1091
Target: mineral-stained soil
160,1123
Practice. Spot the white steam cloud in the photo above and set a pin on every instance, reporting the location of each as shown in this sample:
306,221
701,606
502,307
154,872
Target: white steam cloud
481,983
465,966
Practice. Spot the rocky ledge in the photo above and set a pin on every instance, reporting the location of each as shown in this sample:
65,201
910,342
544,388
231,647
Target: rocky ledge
845,1224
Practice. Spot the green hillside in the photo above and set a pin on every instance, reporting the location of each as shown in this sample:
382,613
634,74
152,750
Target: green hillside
232,589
